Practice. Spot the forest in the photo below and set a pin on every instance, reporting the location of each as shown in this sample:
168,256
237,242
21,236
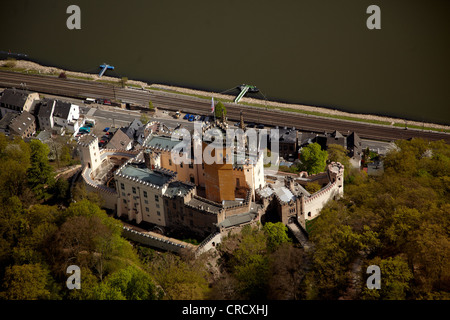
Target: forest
398,221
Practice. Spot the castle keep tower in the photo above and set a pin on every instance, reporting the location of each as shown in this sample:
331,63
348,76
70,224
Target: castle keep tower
89,151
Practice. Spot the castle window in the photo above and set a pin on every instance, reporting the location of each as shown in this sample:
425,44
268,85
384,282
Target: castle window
134,190
170,162
125,201
147,209
145,194
158,213
309,214
156,198
191,166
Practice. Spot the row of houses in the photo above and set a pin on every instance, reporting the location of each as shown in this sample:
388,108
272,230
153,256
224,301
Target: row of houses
23,113
291,141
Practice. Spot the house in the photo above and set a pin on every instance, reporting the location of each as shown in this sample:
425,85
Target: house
23,125
120,140
58,116
133,128
5,121
44,114
65,113
288,143
17,101
354,147
351,142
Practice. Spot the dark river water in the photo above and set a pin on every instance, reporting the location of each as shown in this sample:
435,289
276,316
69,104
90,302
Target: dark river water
308,52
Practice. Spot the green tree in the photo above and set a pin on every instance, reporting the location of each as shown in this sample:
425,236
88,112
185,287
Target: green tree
179,279
144,118
26,282
313,158
276,234
133,283
337,153
218,110
123,81
40,174
395,277
312,187
150,105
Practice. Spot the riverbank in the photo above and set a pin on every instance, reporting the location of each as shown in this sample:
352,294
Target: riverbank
32,67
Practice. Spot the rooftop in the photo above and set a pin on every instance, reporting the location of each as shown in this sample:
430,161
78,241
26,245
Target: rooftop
45,108
238,219
161,142
22,122
14,97
177,188
62,109
141,172
120,140
205,204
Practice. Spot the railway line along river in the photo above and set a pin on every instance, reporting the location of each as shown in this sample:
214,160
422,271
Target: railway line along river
316,53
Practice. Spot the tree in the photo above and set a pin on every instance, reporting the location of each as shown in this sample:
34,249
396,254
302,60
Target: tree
276,234
123,81
337,153
287,272
218,110
150,105
26,282
144,118
395,277
133,284
40,174
178,279
312,187
313,159
61,189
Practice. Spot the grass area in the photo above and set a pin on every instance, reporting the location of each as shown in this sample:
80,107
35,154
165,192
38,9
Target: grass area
420,127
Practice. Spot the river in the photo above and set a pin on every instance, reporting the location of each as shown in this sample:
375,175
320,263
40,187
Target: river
307,52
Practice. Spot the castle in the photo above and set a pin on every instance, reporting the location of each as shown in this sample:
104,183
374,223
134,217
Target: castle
146,186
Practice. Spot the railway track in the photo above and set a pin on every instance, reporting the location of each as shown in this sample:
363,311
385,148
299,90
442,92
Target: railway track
172,101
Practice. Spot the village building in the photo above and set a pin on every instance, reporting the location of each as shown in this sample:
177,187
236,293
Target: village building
23,125
17,101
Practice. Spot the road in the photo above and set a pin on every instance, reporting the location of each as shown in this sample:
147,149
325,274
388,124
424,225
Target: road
172,101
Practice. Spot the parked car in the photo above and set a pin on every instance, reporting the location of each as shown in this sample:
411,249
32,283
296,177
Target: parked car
206,119
107,102
260,126
84,130
251,125
202,118
106,129
197,117
186,116
191,117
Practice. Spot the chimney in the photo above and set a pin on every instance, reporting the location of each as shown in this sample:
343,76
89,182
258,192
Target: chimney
289,183
147,158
